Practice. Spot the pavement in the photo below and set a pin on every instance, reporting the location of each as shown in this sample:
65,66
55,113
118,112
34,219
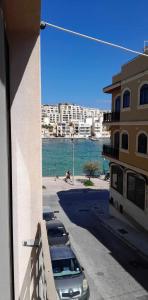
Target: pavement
126,230
119,224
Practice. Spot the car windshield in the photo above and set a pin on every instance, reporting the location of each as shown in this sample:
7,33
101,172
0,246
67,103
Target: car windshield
47,216
56,232
66,267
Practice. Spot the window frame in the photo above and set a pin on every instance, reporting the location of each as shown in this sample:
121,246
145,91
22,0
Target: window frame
122,149
113,140
114,102
141,106
144,155
113,187
138,176
129,107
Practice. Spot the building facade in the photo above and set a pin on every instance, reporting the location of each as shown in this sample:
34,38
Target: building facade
128,152
25,271
86,121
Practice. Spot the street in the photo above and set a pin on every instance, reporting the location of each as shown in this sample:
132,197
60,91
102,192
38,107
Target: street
114,271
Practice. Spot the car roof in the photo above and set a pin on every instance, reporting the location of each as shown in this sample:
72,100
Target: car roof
54,223
46,209
61,252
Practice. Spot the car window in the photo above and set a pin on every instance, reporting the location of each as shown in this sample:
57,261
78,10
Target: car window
56,232
47,216
66,267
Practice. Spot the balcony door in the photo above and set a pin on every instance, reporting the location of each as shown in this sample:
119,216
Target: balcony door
117,104
116,140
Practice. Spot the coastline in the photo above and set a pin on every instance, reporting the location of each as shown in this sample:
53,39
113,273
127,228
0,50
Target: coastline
77,138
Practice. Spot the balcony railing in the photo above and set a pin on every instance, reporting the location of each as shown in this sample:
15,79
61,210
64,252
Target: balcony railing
38,281
111,117
110,151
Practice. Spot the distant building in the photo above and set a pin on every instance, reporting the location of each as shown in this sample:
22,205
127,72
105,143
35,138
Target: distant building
86,121
128,152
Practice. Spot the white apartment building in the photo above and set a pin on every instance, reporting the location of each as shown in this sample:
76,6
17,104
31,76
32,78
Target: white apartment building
86,121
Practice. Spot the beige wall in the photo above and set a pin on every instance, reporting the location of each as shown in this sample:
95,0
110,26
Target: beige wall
131,157
26,148
133,67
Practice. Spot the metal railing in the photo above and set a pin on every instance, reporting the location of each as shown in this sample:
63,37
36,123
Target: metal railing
38,281
47,290
110,151
111,117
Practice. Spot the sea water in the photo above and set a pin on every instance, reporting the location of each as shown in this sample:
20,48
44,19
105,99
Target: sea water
58,155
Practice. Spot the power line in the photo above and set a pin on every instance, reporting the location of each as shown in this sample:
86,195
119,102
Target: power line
43,25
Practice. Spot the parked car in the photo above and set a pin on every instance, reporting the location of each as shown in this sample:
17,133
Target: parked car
48,214
69,277
57,234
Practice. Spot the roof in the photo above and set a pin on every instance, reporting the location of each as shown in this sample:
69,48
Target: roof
110,88
53,223
46,209
61,252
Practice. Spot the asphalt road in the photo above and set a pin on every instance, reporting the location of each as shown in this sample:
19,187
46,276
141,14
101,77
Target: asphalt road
114,271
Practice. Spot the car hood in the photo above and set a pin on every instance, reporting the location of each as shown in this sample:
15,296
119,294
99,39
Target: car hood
66,283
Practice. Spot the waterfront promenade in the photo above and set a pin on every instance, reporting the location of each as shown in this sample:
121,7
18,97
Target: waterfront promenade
54,184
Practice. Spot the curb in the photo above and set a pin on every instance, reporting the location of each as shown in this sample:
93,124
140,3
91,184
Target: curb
122,238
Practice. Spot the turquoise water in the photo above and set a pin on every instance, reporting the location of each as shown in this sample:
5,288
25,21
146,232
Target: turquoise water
58,155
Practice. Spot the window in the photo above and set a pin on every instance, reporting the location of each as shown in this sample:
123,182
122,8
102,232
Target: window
144,94
124,141
136,190
142,143
126,99
117,104
117,179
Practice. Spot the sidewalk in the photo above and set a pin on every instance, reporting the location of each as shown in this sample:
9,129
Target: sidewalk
125,230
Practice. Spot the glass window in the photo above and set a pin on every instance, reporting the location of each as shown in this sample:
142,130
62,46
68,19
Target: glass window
144,94
117,104
142,143
126,99
136,190
66,267
124,141
117,179
116,140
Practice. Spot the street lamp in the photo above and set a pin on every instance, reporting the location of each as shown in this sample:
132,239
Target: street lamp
73,150
73,160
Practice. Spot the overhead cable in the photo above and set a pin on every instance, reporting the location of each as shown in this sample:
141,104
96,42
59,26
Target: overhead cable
43,25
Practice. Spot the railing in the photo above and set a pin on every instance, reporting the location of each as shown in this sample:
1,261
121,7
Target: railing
38,281
111,117
47,289
110,151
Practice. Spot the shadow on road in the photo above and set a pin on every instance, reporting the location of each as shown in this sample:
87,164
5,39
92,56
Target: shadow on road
78,205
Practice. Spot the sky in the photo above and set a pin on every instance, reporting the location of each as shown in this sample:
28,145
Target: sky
75,70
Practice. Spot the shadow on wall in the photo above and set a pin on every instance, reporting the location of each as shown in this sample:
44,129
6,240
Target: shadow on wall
20,49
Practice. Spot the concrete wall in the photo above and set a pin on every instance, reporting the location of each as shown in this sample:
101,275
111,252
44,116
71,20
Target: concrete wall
6,277
26,150
131,156
140,216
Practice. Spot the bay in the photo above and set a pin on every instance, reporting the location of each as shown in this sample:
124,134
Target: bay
57,155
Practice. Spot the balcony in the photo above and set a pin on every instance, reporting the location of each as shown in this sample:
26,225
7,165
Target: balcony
111,117
110,151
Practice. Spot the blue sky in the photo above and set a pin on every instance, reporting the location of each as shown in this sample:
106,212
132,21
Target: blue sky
74,69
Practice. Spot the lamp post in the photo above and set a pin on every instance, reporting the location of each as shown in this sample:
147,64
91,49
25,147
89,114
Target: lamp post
73,160
73,150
